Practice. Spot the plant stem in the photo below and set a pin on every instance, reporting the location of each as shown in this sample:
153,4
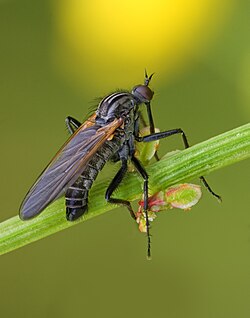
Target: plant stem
201,159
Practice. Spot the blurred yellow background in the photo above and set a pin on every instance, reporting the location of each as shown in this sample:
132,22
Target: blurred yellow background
56,58
113,38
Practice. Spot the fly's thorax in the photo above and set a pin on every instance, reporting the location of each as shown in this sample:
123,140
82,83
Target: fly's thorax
129,124
115,105
124,136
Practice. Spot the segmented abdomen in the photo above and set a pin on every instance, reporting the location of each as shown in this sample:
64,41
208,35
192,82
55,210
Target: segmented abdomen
77,195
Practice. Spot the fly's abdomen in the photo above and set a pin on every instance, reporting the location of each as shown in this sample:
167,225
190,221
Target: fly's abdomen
77,198
77,195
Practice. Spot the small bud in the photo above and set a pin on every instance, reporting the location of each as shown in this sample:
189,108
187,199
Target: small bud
183,196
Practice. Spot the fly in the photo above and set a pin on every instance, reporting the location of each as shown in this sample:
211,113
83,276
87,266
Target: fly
109,134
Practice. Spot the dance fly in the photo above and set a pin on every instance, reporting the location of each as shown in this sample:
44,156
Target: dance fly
108,135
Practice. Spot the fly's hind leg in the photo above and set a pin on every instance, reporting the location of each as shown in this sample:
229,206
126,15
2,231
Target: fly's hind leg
114,185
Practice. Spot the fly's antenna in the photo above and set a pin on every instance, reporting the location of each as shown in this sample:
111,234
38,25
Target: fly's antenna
147,78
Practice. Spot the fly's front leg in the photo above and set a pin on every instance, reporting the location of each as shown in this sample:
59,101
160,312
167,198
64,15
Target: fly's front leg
72,124
151,125
114,185
144,175
165,134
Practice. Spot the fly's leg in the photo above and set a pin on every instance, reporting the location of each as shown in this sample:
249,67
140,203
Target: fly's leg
144,175
151,124
114,185
165,134
72,124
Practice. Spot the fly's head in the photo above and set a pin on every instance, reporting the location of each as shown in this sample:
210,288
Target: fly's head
142,92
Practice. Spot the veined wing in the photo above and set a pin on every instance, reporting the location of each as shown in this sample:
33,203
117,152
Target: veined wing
66,166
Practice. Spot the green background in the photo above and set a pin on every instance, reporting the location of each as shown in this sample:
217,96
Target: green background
201,259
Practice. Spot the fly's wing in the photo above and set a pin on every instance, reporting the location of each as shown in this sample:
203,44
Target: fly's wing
66,166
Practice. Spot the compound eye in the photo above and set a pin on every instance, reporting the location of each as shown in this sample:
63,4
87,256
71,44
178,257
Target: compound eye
143,92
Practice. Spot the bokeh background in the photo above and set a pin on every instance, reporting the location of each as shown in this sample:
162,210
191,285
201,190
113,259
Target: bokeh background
56,58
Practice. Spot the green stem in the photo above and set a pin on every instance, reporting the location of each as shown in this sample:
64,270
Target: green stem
201,159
